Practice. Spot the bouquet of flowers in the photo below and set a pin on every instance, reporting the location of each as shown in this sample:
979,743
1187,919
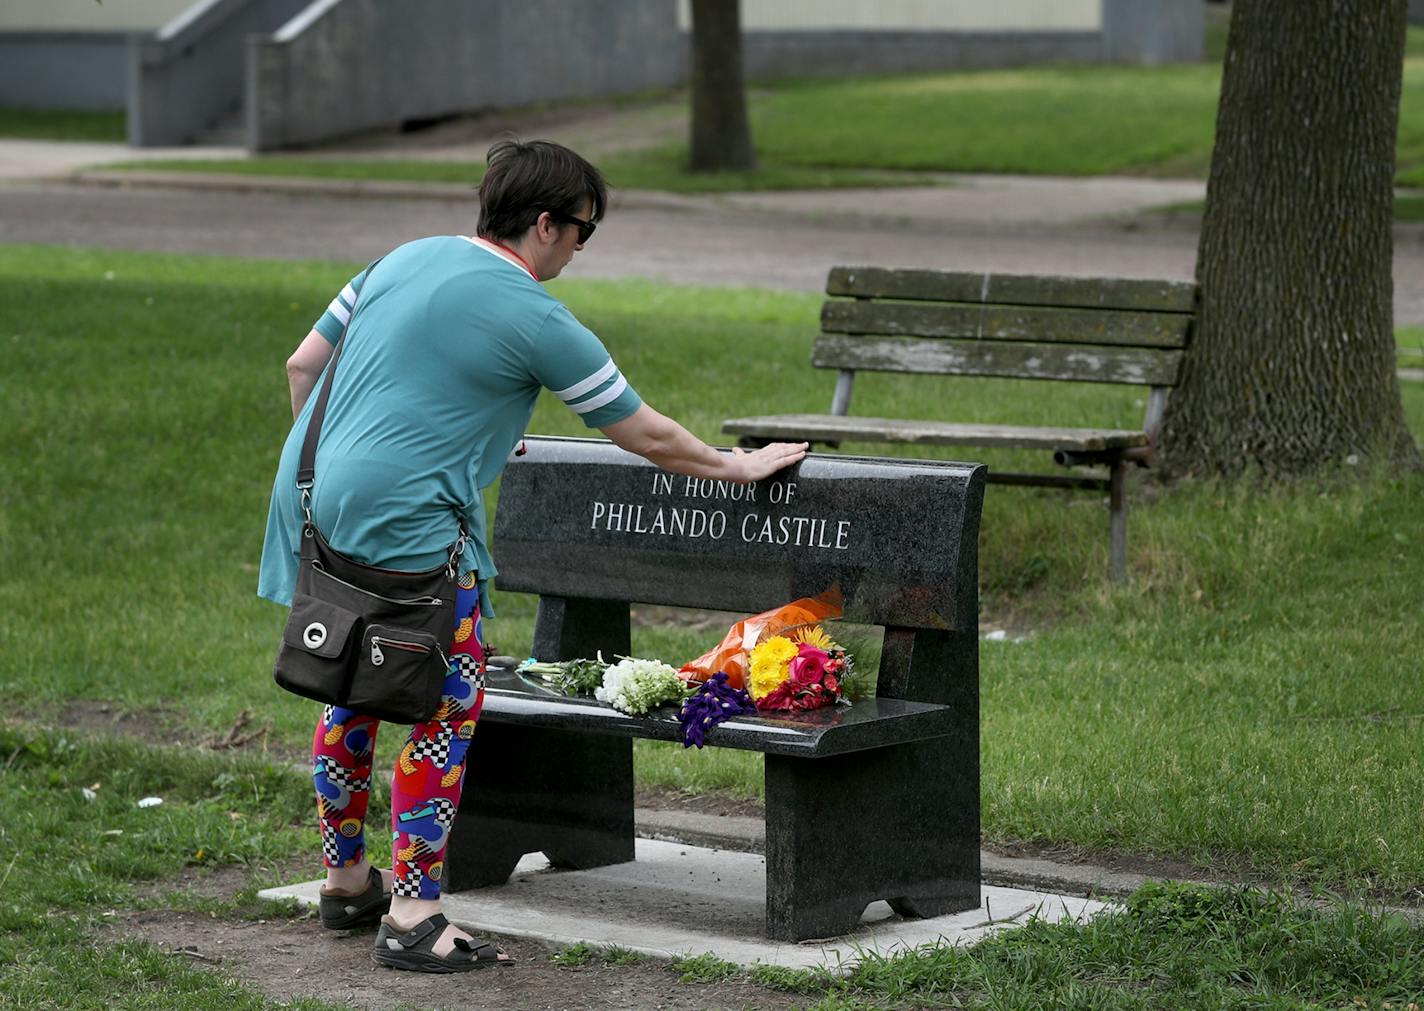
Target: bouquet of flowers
715,701
801,668
636,687
572,677
730,656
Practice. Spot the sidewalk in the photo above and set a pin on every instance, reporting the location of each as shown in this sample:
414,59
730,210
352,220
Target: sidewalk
38,160
984,200
58,193
677,899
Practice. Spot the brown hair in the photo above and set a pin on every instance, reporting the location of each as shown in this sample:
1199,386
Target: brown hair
526,178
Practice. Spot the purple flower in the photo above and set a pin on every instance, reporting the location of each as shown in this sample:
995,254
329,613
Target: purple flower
713,702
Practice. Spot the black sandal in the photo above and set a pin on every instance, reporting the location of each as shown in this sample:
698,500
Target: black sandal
342,912
413,949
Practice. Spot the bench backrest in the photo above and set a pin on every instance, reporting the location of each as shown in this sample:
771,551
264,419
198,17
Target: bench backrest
592,529
1009,325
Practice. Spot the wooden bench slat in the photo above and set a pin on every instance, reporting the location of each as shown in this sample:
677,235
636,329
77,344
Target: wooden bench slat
841,428
1013,323
1012,360
870,723
1017,289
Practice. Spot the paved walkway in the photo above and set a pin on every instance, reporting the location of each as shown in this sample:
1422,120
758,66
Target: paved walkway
676,900
991,201
57,193
46,159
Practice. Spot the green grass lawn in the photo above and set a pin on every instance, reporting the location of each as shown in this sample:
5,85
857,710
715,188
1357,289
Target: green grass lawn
1171,946
1411,347
62,124
1250,701
61,943
1230,705
894,130
71,863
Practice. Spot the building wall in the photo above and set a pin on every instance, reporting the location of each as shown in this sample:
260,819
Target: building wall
1154,32
914,15
349,65
189,79
850,52
836,38
63,70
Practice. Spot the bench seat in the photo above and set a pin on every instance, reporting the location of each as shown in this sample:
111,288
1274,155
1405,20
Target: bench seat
871,723
854,428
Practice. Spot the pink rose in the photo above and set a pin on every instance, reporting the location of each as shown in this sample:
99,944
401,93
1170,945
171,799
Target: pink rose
808,666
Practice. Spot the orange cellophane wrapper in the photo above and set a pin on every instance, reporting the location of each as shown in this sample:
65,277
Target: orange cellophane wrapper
731,653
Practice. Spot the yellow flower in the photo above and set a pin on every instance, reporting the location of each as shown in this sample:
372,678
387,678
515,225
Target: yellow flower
815,635
770,660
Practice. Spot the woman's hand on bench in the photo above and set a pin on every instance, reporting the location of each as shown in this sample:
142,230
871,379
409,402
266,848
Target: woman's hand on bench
664,442
760,463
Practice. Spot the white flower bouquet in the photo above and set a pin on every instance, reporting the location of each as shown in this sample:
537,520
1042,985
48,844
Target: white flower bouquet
637,687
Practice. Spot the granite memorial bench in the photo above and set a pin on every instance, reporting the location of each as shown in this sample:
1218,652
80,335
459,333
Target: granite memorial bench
1010,326
879,800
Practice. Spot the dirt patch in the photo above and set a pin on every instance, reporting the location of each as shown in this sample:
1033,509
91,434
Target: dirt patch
160,725
1111,860
106,719
699,803
225,882
289,959
687,618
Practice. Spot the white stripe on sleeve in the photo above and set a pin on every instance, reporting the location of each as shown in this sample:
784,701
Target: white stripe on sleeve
342,314
606,397
348,295
592,382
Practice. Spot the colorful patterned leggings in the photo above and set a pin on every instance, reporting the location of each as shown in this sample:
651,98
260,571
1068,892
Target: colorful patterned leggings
429,771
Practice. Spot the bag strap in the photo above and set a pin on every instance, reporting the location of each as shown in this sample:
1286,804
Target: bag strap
306,464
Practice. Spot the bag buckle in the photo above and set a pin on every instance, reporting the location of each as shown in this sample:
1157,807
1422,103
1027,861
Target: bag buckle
452,566
305,488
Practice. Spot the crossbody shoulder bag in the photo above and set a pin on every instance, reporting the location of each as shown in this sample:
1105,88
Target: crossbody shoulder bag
372,640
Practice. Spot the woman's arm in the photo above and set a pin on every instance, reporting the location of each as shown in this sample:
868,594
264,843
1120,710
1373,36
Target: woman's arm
305,366
672,447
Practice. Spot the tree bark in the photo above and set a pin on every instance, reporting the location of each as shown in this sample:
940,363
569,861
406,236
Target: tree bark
721,138
1292,365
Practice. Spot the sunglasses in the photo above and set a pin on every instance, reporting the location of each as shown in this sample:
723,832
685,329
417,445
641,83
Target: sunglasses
586,228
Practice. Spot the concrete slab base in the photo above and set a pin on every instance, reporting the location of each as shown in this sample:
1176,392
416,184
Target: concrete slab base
677,900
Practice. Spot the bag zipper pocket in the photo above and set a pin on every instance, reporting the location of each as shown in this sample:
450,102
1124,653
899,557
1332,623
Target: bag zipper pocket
432,601
378,657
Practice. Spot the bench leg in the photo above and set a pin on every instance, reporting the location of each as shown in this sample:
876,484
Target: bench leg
898,823
1117,517
566,794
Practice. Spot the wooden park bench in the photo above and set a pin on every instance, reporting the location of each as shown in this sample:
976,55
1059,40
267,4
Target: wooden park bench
876,801
1015,326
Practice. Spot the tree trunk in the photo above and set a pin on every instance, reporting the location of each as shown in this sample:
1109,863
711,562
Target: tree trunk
721,139
1292,366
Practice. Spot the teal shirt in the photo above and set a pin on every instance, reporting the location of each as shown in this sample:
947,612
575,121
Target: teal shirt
451,342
